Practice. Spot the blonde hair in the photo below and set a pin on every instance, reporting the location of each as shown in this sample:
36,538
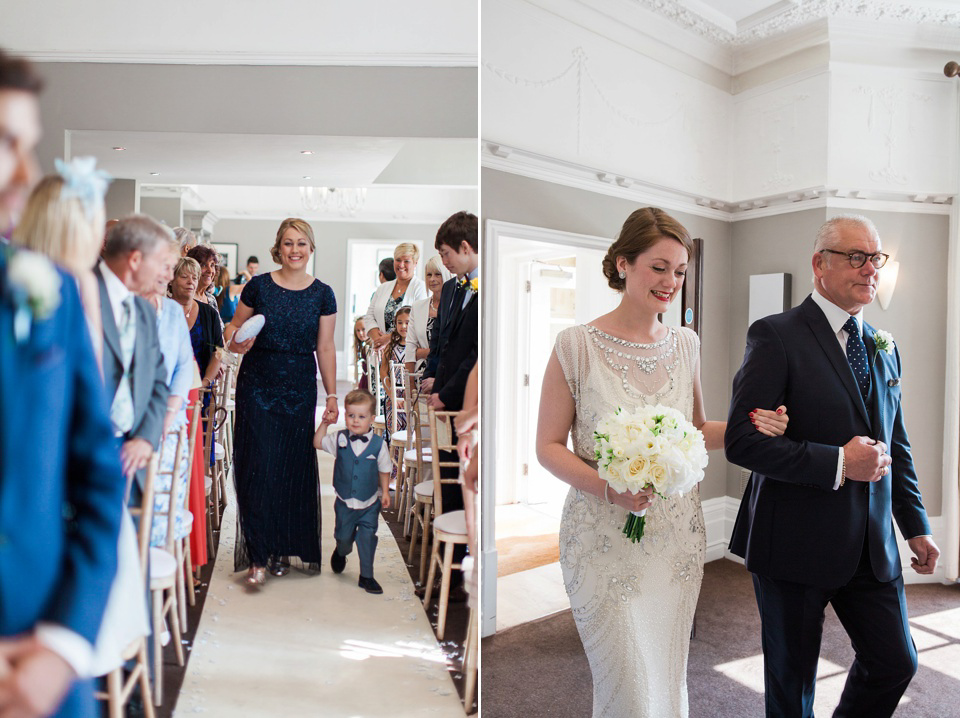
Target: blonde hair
187,264
360,396
407,249
298,224
436,266
59,228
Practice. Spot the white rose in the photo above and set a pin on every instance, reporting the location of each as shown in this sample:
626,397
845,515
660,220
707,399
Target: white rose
35,275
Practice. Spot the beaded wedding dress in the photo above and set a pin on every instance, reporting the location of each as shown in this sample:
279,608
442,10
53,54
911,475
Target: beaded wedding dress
633,602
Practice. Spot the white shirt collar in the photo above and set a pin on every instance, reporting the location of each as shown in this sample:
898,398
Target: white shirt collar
836,316
116,291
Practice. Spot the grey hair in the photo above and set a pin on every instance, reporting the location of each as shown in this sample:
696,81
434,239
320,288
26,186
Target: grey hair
137,232
828,236
184,237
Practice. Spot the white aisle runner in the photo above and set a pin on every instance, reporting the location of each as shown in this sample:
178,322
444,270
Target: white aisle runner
316,646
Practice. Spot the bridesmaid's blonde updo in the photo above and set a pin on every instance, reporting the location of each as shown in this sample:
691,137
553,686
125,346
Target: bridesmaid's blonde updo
643,229
298,224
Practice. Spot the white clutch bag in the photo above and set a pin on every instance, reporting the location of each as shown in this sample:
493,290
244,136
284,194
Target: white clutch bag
250,328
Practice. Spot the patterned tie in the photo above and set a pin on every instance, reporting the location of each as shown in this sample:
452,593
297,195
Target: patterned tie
857,356
121,411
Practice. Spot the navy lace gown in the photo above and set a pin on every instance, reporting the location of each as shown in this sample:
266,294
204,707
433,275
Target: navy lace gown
275,464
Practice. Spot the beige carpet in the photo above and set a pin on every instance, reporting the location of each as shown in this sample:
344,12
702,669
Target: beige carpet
316,646
521,553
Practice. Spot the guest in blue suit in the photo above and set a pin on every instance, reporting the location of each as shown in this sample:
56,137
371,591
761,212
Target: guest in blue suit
816,522
60,494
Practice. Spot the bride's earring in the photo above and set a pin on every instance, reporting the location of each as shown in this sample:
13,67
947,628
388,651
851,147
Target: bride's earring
623,275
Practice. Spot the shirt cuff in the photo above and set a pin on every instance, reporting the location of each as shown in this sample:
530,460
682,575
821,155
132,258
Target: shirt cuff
836,484
70,646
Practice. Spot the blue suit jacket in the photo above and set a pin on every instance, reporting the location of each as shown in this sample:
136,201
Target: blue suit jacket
792,525
61,486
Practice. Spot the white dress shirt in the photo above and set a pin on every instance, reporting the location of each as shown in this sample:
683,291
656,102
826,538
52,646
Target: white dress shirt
836,317
384,464
116,292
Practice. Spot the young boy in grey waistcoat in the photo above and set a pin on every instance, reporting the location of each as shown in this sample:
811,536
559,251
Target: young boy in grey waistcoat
361,480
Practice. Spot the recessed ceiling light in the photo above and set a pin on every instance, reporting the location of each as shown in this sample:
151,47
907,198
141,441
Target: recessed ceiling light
306,152
307,177
120,149
154,174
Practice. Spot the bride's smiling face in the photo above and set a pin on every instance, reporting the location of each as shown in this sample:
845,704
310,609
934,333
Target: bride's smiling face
655,278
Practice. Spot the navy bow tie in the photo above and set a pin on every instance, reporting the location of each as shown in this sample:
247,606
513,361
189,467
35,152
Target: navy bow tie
359,437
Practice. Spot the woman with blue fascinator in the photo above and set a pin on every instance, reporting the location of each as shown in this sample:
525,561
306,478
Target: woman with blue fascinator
64,219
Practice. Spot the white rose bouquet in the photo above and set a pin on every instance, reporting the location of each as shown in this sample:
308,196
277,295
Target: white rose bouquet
649,446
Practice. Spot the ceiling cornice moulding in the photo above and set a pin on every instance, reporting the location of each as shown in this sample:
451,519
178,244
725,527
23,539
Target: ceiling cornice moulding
547,169
798,14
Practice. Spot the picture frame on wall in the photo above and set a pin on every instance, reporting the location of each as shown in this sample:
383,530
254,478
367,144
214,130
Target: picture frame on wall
228,252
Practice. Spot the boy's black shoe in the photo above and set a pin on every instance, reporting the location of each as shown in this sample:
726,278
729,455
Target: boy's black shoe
369,585
338,562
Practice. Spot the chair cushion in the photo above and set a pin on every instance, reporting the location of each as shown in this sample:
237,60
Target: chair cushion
185,523
453,522
162,564
411,455
218,451
423,490
398,437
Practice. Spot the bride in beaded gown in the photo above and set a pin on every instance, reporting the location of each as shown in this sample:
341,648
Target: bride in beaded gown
633,603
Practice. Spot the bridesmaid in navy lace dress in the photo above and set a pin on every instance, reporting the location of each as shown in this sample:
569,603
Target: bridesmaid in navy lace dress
275,464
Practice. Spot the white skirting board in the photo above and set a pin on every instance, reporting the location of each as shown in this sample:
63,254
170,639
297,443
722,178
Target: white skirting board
720,513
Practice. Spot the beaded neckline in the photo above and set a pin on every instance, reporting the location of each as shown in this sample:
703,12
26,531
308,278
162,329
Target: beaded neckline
633,345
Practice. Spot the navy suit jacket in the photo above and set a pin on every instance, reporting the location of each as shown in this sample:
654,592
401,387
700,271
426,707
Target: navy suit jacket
792,525
150,389
458,356
446,314
61,486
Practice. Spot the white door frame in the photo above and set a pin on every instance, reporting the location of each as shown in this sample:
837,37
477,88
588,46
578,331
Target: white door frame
494,230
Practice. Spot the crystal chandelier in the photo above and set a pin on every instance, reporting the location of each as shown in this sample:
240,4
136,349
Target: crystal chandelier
325,199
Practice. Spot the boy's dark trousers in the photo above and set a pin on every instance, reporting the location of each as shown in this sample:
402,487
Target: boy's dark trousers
360,526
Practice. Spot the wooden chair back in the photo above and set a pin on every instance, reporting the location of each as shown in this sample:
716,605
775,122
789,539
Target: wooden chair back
441,439
170,515
145,514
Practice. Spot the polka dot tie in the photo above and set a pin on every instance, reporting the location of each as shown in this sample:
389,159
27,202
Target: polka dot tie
857,356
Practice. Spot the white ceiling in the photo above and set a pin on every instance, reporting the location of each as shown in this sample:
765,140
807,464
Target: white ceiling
283,32
246,176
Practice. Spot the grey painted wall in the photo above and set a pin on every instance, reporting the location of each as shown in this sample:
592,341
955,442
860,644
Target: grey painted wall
512,198
916,316
123,198
348,101
165,209
257,236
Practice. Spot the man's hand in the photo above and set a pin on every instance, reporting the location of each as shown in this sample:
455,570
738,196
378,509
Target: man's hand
33,679
426,386
926,554
866,459
135,455
435,402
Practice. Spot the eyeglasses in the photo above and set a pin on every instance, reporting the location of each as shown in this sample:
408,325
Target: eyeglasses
858,259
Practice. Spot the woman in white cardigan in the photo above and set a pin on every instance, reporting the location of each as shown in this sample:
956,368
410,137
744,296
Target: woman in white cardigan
423,314
390,296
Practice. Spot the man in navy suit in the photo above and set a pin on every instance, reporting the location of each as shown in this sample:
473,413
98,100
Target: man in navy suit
60,479
457,245
816,521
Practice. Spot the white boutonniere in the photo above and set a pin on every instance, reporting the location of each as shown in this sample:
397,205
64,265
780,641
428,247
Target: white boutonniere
342,441
34,288
883,341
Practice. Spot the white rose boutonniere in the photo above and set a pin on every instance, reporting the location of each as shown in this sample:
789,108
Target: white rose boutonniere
35,290
883,341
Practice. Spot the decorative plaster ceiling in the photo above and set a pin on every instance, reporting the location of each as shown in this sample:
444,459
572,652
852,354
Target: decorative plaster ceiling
736,23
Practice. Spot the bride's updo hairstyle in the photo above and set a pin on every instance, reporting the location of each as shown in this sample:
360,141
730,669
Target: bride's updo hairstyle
643,229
